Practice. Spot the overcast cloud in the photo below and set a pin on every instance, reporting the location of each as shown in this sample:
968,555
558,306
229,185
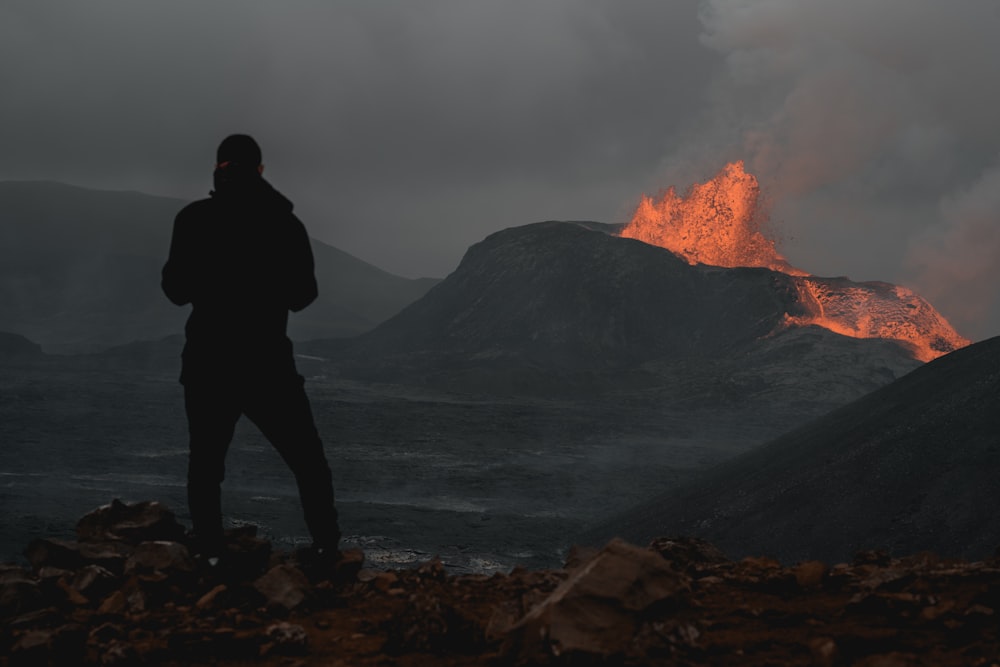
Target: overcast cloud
406,131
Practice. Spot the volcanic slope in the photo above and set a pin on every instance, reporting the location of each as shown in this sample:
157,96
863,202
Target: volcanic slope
570,306
80,271
908,468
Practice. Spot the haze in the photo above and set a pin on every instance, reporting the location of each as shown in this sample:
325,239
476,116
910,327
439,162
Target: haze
407,131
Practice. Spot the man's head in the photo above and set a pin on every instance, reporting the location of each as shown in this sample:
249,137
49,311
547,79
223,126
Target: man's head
239,152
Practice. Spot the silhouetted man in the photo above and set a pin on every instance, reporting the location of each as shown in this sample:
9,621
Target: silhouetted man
243,260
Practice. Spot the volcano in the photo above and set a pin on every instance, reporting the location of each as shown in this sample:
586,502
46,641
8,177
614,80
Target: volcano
571,308
723,221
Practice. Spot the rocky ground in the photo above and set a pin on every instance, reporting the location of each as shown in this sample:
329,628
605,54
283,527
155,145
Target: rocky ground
128,591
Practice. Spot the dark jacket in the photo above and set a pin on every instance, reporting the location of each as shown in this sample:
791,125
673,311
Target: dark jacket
243,260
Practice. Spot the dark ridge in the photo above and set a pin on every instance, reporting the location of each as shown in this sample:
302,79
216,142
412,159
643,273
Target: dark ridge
908,468
80,272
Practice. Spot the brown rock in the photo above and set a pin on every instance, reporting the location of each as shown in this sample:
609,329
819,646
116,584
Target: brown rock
284,586
19,593
208,599
385,580
810,574
596,611
134,523
94,581
66,555
287,639
115,603
688,553
824,652
160,556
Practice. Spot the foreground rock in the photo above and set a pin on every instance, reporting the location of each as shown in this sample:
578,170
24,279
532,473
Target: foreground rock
678,602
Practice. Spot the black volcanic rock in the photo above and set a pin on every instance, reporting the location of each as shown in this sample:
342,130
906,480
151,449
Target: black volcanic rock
563,303
80,271
910,467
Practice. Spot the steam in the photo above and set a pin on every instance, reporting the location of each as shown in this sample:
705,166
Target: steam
957,262
867,123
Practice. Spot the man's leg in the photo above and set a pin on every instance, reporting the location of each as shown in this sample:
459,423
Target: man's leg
212,415
280,409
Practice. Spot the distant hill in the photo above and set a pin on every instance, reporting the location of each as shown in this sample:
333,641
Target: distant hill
568,306
80,271
908,468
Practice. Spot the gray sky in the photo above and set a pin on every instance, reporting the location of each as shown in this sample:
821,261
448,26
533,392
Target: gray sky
406,131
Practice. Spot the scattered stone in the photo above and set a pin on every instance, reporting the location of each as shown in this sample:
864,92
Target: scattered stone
286,639
133,523
810,574
159,556
283,585
385,580
94,581
688,554
578,555
119,652
19,593
208,599
114,604
596,611
66,555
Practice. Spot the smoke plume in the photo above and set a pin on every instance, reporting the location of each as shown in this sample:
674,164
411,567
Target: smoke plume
869,123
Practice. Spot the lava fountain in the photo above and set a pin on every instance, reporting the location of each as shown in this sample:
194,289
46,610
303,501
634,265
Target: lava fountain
721,223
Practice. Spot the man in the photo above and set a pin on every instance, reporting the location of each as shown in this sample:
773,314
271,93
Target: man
243,260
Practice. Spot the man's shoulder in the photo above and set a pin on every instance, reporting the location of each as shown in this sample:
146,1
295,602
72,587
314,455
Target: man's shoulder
197,210
196,207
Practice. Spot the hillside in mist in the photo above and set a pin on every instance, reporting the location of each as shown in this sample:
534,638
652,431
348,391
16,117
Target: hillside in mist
80,271
908,468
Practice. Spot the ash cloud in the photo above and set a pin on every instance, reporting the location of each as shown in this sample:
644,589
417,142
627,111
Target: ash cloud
406,132
872,127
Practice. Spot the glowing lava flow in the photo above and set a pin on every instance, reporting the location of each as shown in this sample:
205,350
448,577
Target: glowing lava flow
719,223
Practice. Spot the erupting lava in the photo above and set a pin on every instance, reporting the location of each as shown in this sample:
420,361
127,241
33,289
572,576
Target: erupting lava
720,223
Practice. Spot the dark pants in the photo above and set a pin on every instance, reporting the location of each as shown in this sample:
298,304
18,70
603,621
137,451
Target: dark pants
280,409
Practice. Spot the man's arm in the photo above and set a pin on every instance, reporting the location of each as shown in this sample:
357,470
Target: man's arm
178,281
302,289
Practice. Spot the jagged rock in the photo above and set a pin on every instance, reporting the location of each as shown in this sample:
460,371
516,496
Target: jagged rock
62,645
597,610
284,586
688,553
63,554
286,639
810,574
431,624
19,592
94,581
208,599
134,523
119,652
159,556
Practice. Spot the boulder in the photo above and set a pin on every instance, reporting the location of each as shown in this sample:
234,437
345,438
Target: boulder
19,592
283,586
688,554
66,555
596,612
160,556
145,521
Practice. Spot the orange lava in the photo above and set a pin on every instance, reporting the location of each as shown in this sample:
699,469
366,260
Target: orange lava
720,223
